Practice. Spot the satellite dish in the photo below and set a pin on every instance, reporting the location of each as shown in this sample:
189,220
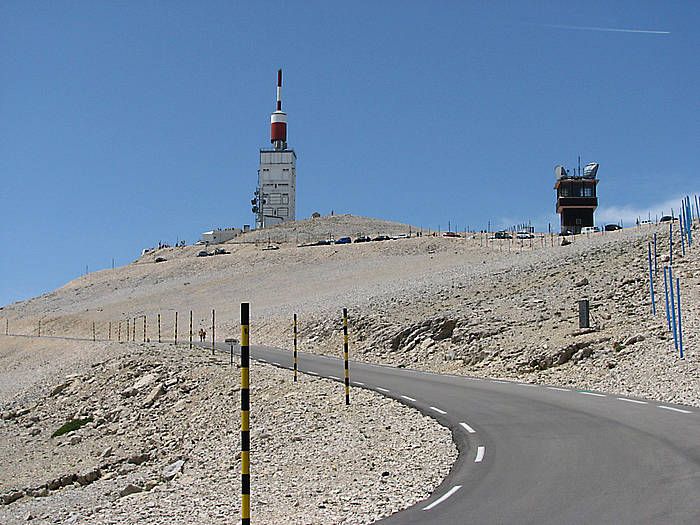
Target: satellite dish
560,171
591,170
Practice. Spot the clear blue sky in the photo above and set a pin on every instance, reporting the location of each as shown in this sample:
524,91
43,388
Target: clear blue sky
126,123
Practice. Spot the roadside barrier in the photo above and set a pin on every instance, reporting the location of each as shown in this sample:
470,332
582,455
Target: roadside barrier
245,414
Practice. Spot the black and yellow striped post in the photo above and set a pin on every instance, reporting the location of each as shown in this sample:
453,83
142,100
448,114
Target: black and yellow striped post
175,327
133,330
94,335
119,331
295,348
109,332
245,414
144,328
190,329
213,330
159,328
345,356
127,330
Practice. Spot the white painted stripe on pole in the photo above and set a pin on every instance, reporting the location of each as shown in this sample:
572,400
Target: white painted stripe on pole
557,388
675,409
409,398
468,428
382,389
480,454
443,497
438,410
592,394
632,401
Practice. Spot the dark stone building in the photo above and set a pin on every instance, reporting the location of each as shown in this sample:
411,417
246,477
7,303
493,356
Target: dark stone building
576,197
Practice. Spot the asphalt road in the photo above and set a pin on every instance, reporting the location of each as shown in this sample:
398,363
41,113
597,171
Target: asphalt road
538,454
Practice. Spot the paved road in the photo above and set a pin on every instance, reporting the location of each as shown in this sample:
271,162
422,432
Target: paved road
538,454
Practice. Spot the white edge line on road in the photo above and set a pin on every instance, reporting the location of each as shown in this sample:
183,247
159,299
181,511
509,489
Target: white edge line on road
632,401
591,394
335,377
443,497
409,398
557,388
675,409
359,383
382,389
499,381
276,364
479,454
438,410
528,384
312,373
468,428
262,360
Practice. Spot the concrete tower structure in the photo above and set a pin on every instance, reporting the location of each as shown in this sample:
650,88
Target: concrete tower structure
275,197
577,197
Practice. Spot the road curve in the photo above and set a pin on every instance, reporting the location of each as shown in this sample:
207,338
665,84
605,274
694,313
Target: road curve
538,454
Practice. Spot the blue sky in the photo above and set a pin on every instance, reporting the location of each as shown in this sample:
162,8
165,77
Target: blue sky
128,123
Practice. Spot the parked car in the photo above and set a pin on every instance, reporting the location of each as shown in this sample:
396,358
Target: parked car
160,259
203,253
382,238
343,240
612,227
324,242
667,218
502,235
450,234
363,238
220,251
589,229
525,235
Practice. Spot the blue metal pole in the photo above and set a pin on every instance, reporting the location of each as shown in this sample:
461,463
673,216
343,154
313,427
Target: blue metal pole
689,218
670,243
673,307
656,259
680,324
680,224
668,312
651,282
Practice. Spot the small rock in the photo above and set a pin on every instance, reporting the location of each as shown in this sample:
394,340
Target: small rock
154,394
144,381
582,282
75,440
59,388
172,470
107,452
633,339
137,459
11,497
130,489
88,477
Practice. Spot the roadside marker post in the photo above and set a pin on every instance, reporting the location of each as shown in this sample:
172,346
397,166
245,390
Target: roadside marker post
345,356
680,324
175,327
109,332
133,331
668,312
670,244
673,307
213,332
127,330
119,331
190,329
144,328
94,336
245,414
295,348
656,259
159,328
651,283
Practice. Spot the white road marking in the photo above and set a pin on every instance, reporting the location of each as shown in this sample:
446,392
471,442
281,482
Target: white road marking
409,398
276,364
438,410
632,401
591,394
557,388
335,377
498,381
528,384
443,497
382,389
479,454
675,409
262,360
359,383
312,373
468,428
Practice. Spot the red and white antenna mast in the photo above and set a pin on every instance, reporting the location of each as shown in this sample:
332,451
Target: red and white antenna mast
278,120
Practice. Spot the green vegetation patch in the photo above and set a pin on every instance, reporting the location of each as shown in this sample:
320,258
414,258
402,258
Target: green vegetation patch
70,426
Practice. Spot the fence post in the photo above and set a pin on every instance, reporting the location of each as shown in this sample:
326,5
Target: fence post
190,329
245,414
345,356
213,332
159,328
295,348
175,327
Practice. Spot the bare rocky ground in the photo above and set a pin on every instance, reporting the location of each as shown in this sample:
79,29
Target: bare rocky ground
161,436
463,306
